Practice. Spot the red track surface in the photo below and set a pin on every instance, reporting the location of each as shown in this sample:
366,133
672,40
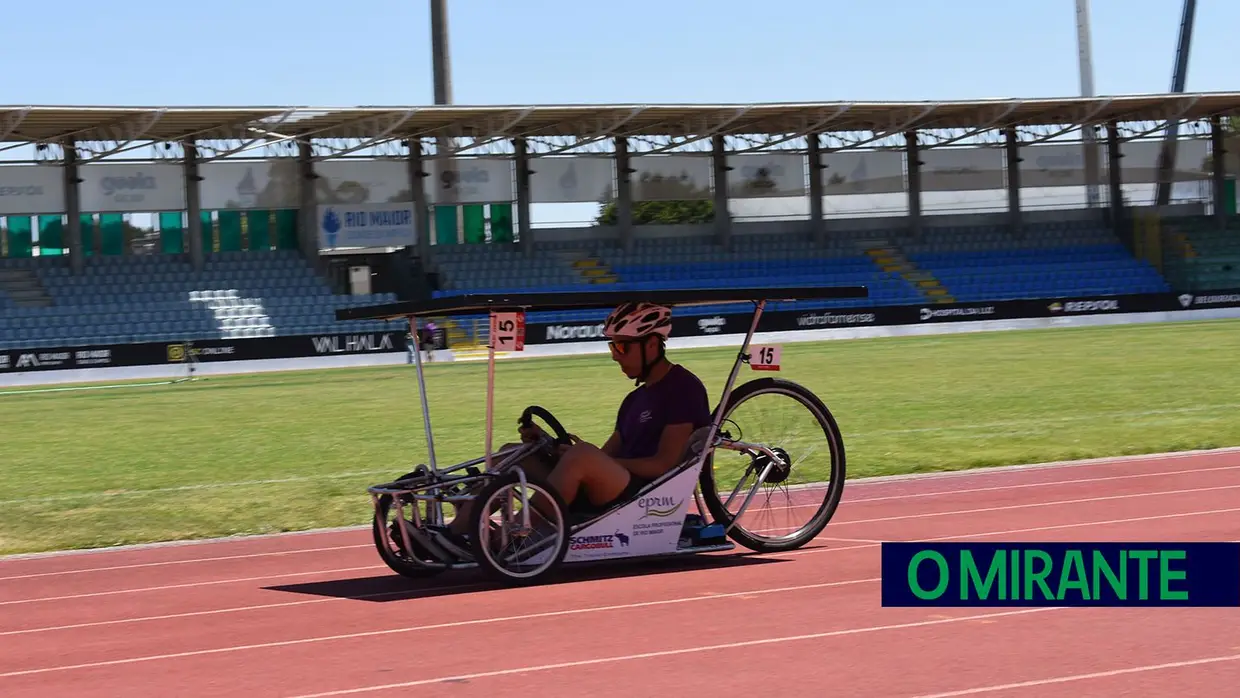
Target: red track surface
318,614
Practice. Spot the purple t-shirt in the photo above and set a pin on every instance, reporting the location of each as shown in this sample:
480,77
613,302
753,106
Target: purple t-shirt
678,398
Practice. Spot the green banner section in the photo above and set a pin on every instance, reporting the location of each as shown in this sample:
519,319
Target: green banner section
230,230
475,224
259,228
286,229
445,225
52,235
172,232
501,223
21,236
112,232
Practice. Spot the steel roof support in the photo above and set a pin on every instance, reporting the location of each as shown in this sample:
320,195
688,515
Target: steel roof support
193,207
1115,179
723,217
73,209
1012,168
1218,171
816,191
624,194
913,157
522,175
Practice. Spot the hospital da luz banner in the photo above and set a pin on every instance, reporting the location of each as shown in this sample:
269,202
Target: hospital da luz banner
385,224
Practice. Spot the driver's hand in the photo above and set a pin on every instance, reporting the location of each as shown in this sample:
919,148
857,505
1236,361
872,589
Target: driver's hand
531,433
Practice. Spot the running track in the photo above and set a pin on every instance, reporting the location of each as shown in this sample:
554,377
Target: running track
318,615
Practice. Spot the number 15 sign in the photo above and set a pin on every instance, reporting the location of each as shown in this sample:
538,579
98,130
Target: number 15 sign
508,331
765,358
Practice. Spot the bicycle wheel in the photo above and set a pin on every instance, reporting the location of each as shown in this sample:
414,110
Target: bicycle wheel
809,468
504,547
390,544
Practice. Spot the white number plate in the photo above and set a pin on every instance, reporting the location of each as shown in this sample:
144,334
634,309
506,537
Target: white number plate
508,331
765,358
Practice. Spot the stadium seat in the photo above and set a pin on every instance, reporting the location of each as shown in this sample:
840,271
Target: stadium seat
159,298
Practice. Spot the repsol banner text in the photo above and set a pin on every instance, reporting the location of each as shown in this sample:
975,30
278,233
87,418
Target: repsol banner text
1061,574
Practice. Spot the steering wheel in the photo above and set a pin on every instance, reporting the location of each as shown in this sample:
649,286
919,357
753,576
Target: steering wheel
526,420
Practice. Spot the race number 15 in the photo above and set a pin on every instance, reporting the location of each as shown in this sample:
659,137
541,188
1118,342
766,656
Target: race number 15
765,358
508,331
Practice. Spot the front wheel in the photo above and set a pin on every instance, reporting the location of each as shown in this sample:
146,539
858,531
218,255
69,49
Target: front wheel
507,549
808,466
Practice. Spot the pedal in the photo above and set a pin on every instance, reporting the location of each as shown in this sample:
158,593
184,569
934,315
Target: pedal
713,533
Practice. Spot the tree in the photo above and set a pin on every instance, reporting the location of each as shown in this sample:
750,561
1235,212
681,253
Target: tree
660,200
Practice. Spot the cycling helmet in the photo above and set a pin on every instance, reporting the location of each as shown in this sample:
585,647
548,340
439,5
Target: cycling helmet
635,321
638,320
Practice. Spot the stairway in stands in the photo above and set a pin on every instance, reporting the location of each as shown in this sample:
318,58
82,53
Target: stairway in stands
590,267
24,288
891,259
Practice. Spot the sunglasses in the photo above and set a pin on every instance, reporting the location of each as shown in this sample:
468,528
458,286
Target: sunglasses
620,347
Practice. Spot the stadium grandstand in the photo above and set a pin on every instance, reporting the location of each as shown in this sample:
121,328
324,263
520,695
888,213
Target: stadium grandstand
132,225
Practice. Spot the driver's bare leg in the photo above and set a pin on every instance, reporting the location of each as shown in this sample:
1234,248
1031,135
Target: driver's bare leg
586,467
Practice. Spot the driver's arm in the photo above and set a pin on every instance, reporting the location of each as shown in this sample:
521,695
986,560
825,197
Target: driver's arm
671,447
613,444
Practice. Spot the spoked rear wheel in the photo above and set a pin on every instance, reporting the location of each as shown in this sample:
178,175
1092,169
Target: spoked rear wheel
806,476
503,545
391,546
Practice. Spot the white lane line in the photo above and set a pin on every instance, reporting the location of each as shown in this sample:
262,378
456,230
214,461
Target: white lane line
439,626
865,544
1012,531
833,526
857,482
686,650
188,488
222,558
189,585
1031,505
410,593
1084,677
906,496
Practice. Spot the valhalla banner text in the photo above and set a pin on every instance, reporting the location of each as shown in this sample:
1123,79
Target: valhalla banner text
1061,574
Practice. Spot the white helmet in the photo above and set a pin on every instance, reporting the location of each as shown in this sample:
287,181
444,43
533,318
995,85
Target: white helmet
638,320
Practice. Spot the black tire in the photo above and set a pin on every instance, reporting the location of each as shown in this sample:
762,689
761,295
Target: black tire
482,518
392,552
835,490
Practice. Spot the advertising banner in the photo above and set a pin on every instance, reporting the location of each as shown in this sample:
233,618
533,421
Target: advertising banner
32,189
144,188
671,177
475,180
256,184
156,353
759,175
367,225
574,179
53,358
870,316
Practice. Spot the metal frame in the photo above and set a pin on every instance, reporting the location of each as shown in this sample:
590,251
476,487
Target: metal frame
47,124
431,486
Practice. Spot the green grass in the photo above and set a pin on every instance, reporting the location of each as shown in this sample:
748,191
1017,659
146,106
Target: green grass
78,466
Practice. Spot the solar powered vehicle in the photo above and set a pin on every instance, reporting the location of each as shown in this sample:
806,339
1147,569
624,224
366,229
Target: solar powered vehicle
522,532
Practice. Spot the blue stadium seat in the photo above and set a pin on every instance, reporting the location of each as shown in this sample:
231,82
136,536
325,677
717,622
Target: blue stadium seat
161,298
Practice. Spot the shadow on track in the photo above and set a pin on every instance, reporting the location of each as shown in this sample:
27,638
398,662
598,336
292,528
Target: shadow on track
392,587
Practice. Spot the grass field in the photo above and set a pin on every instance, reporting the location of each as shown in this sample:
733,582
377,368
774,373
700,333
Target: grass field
292,451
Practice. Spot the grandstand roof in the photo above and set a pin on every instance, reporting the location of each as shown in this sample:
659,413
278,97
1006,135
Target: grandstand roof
49,123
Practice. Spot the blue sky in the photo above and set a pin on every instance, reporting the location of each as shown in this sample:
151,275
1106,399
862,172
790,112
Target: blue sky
314,52
377,52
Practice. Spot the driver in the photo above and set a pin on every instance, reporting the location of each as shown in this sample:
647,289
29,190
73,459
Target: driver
653,425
